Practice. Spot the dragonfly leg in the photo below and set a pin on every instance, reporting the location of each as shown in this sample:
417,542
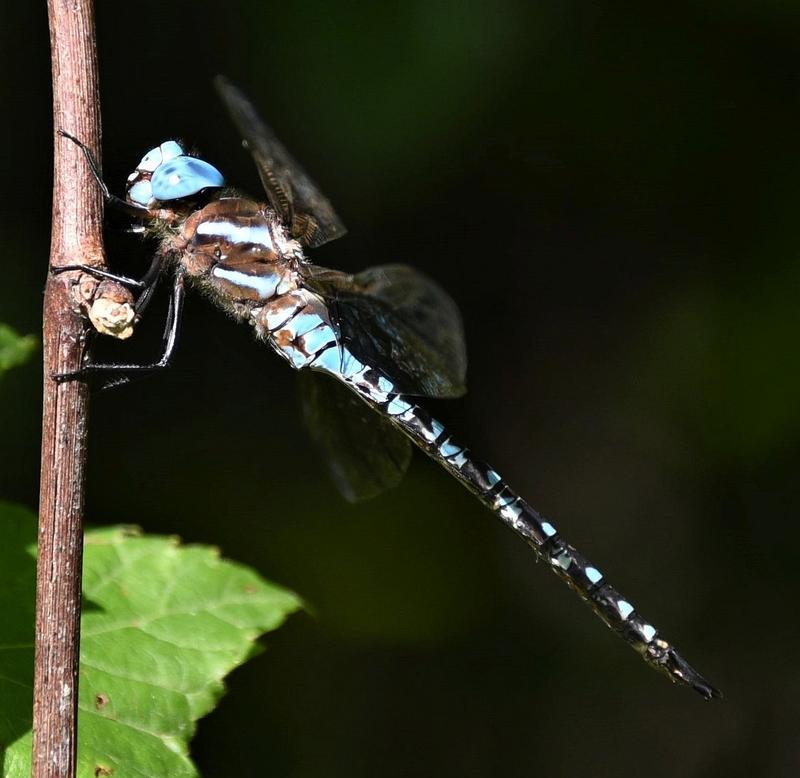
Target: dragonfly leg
137,211
97,272
113,374
147,283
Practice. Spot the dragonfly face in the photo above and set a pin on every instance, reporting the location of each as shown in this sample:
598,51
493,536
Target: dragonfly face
388,336
168,173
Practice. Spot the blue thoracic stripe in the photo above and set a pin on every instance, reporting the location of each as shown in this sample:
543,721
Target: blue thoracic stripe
235,233
264,284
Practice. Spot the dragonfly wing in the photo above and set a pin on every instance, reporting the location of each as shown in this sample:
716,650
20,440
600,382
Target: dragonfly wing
397,320
304,209
364,452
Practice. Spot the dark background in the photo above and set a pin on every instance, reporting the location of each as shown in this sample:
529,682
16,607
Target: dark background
610,192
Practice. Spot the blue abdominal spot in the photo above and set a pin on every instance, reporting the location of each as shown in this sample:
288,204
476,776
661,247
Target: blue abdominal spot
184,177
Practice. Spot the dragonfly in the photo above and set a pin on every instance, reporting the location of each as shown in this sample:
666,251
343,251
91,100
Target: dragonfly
367,346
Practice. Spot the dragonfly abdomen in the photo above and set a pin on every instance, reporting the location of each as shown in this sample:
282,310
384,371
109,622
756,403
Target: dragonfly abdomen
299,328
571,566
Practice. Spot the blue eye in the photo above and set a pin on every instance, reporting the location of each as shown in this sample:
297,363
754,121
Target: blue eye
160,154
183,177
171,149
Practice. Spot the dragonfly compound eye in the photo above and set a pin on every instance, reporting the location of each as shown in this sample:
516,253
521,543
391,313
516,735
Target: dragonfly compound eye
139,188
164,153
184,177
167,173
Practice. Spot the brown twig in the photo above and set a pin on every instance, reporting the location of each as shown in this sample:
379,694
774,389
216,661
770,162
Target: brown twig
76,239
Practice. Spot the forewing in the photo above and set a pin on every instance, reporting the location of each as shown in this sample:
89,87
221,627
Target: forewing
304,209
365,454
395,319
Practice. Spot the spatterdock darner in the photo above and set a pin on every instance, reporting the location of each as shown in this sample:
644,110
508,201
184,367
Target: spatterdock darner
388,336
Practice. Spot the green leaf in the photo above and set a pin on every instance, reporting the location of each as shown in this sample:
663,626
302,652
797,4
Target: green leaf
162,625
14,349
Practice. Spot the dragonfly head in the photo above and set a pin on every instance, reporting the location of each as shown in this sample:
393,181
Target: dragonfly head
167,173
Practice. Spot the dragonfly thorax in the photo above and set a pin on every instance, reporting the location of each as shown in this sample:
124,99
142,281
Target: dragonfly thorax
237,251
168,173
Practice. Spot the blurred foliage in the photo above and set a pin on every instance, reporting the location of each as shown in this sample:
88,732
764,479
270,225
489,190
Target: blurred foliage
609,191
729,358
14,349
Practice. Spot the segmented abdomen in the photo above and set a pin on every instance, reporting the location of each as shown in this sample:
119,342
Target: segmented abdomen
299,328
572,567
